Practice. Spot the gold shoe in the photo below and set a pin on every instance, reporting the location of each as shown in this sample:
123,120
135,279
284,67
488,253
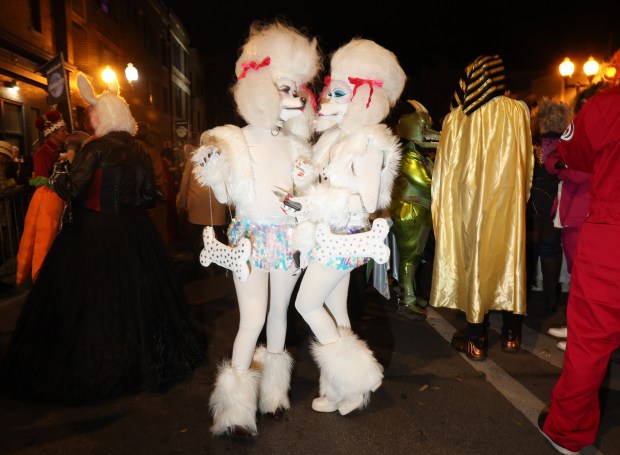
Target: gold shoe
475,351
511,343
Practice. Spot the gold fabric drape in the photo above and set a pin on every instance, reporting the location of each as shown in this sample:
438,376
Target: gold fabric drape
481,183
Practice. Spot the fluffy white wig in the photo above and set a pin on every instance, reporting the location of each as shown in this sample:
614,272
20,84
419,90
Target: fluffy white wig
271,51
366,60
111,110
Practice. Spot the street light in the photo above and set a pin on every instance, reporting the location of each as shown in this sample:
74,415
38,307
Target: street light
108,74
131,73
567,69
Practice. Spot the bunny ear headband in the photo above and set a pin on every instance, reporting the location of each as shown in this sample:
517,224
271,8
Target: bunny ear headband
87,92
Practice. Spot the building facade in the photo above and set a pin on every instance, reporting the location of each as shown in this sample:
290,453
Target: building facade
87,36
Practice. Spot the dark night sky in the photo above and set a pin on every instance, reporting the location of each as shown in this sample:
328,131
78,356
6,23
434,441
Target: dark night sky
437,36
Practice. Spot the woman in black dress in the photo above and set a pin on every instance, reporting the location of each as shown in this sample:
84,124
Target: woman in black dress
107,315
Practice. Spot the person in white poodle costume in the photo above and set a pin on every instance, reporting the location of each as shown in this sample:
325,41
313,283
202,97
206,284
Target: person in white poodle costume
358,158
244,166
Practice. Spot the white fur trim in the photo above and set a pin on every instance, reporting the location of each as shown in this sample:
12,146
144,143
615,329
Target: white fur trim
348,368
238,164
234,399
340,150
275,381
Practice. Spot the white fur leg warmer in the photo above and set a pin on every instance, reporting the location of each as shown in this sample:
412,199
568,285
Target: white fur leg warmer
349,370
234,399
275,380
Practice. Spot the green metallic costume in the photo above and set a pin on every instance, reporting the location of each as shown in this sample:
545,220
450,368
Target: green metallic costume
410,209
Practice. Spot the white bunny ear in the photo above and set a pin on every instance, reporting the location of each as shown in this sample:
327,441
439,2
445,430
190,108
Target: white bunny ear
86,90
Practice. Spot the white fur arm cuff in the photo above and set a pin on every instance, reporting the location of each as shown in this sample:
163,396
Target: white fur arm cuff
212,169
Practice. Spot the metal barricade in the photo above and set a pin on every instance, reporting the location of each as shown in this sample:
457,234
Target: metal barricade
13,207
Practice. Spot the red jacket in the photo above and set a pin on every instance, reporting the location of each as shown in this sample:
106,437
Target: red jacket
575,197
592,144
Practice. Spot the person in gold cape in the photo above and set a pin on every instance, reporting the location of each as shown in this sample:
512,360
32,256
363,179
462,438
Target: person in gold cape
480,187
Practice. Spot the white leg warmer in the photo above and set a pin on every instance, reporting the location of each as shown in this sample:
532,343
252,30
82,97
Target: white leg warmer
349,373
234,399
275,381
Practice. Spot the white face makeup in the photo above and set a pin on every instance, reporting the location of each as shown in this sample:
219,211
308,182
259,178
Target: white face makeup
291,105
333,104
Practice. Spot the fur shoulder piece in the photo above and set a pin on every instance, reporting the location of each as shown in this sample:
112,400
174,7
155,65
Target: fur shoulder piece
231,143
390,145
348,147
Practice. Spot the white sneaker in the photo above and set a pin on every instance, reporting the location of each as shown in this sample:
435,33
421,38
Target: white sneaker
558,332
561,345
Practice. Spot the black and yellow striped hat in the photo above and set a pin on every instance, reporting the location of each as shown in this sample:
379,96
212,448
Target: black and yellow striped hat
484,79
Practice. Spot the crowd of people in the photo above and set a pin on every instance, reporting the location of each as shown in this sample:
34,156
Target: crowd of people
502,187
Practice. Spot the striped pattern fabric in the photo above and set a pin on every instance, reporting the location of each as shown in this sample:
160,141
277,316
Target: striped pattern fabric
484,79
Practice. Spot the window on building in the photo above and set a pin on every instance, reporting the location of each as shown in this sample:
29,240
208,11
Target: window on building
35,14
180,103
180,57
12,123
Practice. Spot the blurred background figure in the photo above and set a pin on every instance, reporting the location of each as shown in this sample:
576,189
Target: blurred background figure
202,209
55,132
159,213
550,119
44,217
170,165
8,175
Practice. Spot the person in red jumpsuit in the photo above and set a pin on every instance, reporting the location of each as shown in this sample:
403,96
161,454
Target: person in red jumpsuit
590,144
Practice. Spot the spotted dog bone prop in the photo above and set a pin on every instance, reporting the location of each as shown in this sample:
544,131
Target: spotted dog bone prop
231,258
365,244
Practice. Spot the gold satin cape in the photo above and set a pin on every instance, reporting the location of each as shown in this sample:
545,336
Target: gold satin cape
480,186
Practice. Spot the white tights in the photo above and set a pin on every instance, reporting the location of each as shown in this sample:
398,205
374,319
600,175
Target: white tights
324,285
253,296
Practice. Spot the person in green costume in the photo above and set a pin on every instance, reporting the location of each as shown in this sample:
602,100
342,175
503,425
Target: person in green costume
410,209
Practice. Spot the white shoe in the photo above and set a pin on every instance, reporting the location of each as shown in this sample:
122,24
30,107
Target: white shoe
322,404
561,345
558,332
351,404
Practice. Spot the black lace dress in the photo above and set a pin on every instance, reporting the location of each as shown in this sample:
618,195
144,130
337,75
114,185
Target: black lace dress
107,315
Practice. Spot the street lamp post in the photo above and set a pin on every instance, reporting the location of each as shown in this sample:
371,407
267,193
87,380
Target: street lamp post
131,73
567,69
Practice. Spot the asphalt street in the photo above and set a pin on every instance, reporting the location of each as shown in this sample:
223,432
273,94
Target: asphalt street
433,400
